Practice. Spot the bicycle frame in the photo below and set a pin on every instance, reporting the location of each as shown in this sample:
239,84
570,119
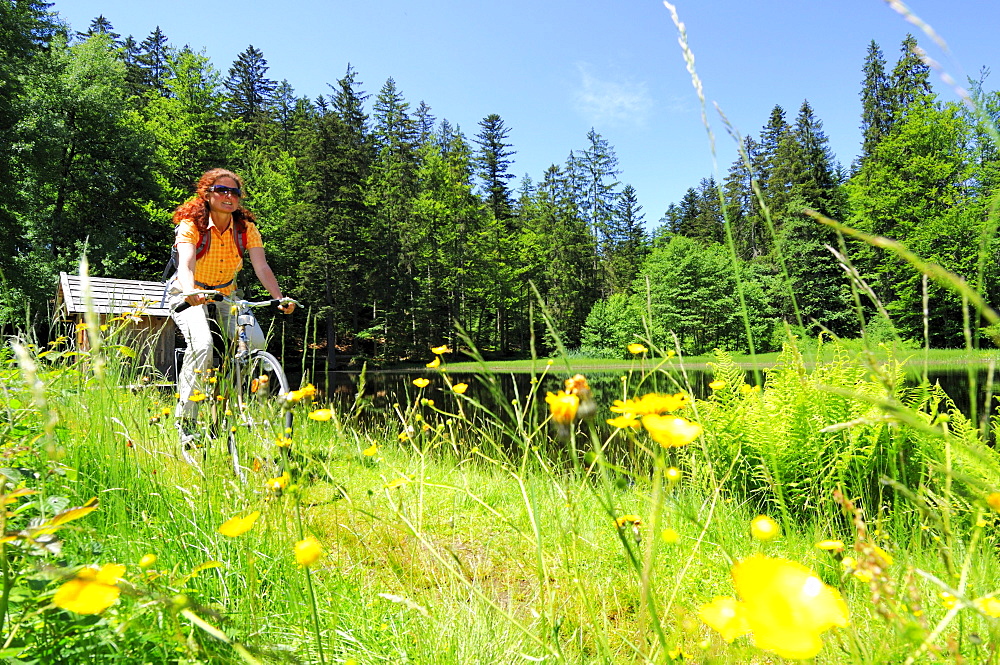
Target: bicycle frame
247,361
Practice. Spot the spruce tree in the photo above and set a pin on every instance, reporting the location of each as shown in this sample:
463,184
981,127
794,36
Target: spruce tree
250,91
493,159
876,101
910,79
154,57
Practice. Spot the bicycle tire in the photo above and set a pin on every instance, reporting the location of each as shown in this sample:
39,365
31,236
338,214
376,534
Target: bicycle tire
260,414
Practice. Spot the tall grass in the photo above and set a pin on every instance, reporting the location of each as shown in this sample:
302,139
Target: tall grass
467,530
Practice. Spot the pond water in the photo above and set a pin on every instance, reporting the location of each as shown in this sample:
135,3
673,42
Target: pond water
382,390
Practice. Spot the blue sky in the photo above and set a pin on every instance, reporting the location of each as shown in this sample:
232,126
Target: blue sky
554,69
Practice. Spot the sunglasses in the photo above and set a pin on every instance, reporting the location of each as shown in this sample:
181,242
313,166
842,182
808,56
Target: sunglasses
222,189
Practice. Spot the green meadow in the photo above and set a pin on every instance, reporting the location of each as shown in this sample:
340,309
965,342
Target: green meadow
822,502
497,534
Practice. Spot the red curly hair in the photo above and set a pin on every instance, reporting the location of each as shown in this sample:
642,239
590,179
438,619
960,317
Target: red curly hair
196,209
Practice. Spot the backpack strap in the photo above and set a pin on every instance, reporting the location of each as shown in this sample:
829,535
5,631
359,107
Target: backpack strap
204,244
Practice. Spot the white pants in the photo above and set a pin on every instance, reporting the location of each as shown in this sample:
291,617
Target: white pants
193,324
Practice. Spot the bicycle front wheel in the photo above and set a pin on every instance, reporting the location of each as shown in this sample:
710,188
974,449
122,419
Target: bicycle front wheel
261,416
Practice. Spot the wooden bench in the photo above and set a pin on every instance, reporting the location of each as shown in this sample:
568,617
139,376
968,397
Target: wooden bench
151,331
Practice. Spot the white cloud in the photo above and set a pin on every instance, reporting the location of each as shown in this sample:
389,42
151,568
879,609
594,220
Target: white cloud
612,102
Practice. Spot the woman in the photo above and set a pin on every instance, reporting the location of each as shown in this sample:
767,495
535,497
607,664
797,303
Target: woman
212,231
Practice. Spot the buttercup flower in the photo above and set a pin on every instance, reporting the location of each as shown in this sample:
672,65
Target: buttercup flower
91,591
671,431
279,483
460,388
626,520
237,526
993,501
440,350
147,560
434,363
577,385
652,403
624,421
321,414
989,606
197,396
309,390
764,528
283,442
673,475
785,606
421,382
370,451
307,551
670,536
563,406
830,545
718,384
636,348
726,615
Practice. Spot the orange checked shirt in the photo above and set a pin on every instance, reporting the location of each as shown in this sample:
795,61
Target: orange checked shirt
222,261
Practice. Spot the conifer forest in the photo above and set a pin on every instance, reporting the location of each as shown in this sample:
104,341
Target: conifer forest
397,228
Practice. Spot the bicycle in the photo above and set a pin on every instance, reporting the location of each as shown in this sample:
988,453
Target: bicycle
259,388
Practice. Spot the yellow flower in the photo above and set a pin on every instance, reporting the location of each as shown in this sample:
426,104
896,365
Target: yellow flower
309,390
673,475
197,396
636,348
321,414
651,403
421,382
307,551
624,421
147,560
671,431
370,451
670,536
764,528
831,545
718,384
393,484
279,483
787,607
283,442
993,501
460,388
948,600
237,526
563,406
726,615
91,591
434,363
259,382
79,328
577,385
440,350
626,520
988,605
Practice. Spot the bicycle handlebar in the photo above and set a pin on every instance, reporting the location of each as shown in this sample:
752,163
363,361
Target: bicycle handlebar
220,297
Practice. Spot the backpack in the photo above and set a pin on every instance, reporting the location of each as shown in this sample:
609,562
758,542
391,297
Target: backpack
204,243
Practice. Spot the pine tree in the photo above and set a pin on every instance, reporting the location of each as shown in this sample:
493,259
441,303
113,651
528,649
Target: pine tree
101,26
876,101
392,190
154,57
250,91
425,122
627,241
493,159
910,79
